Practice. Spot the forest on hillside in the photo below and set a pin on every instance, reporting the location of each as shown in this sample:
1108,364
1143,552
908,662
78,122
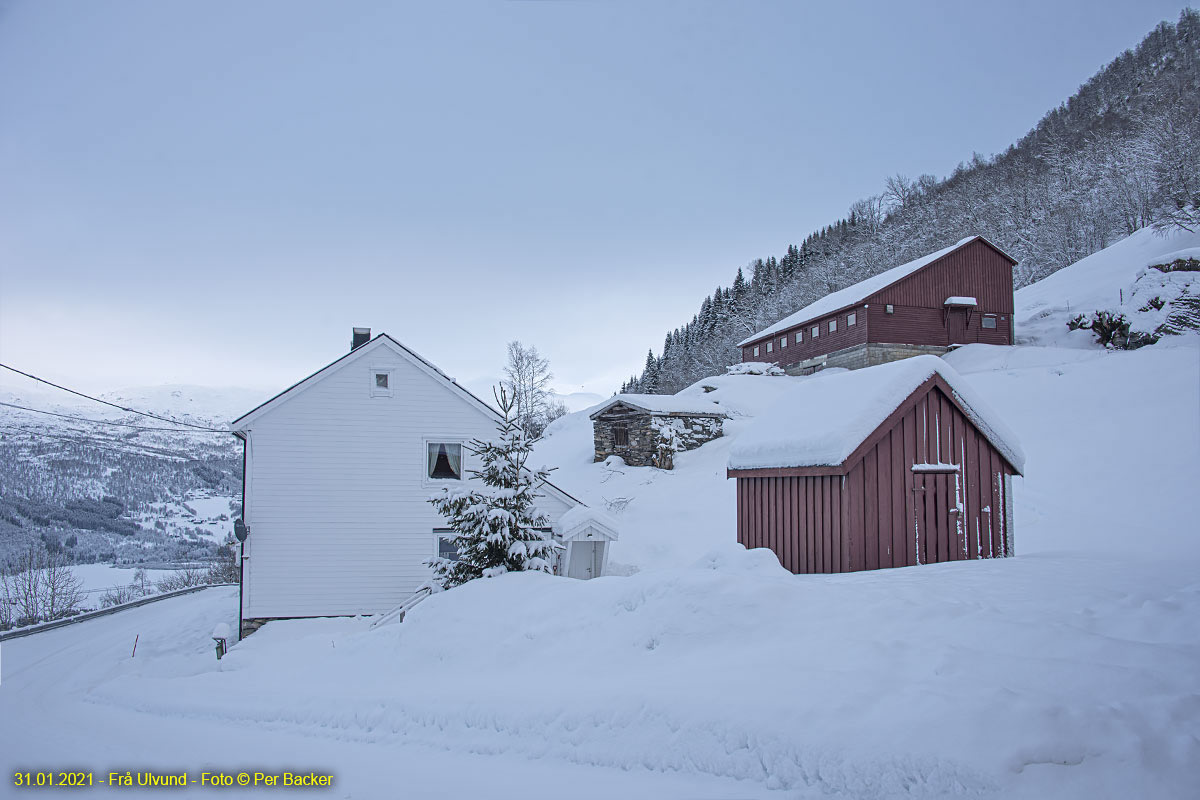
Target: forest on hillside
1123,153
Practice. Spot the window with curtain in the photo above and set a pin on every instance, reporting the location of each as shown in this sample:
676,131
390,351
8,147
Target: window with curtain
445,461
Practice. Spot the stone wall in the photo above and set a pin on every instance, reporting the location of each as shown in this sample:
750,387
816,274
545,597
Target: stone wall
653,440
865,355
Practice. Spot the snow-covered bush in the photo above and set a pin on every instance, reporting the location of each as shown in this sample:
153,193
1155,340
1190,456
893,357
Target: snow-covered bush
494,522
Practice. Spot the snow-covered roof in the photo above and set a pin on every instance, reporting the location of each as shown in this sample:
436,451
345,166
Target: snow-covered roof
825,418
961,301
582,522
661,404
860,291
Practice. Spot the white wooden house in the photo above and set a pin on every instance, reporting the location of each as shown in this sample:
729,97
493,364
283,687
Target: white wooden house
337,472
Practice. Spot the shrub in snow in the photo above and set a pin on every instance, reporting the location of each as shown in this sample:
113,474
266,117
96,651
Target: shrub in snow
754,368
494,523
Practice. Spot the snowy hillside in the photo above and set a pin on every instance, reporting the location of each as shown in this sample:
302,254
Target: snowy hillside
170,491
1107,280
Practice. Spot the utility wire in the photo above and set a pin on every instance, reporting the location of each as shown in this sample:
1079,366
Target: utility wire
114,405
100,421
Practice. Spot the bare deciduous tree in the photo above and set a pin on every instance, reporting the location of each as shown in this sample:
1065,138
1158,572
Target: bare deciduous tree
44,586
527,380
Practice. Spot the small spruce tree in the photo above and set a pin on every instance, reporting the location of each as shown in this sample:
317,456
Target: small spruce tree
494,522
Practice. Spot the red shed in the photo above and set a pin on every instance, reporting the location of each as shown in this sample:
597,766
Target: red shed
959,295
892,466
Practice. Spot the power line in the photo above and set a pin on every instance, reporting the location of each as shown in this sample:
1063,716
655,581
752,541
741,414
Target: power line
101,421
114,405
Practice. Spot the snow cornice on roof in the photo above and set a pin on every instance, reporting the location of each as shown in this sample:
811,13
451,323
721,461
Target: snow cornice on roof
661,405
859,292
823,421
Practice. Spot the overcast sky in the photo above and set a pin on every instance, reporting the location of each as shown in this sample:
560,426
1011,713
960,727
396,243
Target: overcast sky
215,193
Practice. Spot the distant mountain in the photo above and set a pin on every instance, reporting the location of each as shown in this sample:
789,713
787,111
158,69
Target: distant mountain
1121,154
103,484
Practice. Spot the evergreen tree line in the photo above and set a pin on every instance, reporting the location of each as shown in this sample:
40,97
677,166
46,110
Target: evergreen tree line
1120,155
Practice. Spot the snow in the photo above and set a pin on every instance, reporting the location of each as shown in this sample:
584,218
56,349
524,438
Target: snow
822,420
1071,670
856,293
1094,283
581,517
661,404
101,578
961,301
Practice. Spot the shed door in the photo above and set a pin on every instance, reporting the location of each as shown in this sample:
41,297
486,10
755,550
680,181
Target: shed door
584,560
937,493
956,322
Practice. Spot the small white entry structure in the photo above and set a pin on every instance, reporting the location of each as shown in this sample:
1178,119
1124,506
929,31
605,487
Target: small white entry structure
585,534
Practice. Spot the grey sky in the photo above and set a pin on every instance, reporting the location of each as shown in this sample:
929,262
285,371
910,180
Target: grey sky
215,193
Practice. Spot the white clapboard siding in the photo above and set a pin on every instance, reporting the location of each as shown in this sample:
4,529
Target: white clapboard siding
337,488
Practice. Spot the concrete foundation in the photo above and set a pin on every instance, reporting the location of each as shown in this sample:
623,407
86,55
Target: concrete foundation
864,355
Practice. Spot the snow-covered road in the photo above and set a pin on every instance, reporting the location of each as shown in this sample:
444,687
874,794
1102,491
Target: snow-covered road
50,721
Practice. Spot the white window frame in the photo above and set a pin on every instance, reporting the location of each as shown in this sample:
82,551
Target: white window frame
782,342
815,332
462,472
377,391
799,337
438,535
833,325
851,319
889,309
770,344
756,351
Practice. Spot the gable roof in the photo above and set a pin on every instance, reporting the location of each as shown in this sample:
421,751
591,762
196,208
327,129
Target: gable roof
822,421
238,426
852,295
661,404
582,520
381,340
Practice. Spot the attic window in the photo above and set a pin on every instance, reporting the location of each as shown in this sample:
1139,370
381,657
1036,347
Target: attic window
620,435
889,308
989,320
444,461
851,319
381,382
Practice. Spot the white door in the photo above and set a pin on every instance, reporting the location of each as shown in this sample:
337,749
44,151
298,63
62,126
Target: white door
585,560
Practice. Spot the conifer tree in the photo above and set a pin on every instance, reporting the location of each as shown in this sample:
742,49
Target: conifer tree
493,519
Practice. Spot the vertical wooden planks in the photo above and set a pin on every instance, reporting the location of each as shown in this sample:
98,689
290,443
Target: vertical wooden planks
868,508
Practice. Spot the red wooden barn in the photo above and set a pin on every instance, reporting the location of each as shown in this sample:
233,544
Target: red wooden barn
892,466
959,295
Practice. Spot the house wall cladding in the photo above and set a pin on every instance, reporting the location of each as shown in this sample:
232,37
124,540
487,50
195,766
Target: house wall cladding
877,512
919,315
337,490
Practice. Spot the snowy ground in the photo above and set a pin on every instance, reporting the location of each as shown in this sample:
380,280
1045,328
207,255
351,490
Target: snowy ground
100,578
1071,670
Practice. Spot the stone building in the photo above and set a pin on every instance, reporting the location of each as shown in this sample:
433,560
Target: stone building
647,430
